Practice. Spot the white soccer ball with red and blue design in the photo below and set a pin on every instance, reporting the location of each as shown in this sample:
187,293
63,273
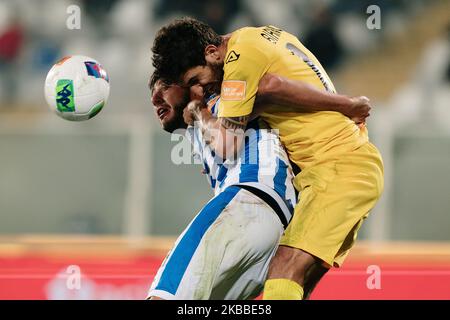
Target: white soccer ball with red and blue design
77,88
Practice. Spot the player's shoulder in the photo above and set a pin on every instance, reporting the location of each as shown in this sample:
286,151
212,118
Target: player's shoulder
249,41
247,31
253,35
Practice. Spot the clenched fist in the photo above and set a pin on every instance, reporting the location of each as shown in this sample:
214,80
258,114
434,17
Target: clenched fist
359,109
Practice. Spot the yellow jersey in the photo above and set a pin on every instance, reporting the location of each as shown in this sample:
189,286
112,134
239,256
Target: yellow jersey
310,138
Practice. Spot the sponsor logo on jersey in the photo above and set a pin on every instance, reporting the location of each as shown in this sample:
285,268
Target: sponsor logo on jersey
233,90
232,56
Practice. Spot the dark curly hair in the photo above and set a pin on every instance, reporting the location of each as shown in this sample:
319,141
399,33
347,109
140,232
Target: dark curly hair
180,46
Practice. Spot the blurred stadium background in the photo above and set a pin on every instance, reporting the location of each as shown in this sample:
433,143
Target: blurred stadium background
104,196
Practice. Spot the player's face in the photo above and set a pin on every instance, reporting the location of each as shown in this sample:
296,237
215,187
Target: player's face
204,81
169,102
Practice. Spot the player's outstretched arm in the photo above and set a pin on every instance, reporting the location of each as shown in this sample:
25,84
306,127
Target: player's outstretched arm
274,89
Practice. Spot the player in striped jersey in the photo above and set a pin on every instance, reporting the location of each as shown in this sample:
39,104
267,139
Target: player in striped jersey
262,163
222,253
225,251
341,176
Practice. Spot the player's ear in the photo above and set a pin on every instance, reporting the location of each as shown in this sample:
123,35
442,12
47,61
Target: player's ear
212,54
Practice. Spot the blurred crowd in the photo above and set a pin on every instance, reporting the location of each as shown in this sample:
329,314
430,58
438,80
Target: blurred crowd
33,34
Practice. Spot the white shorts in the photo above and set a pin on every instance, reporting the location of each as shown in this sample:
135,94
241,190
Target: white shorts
224,253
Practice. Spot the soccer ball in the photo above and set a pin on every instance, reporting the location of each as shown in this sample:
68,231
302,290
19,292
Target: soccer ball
77,88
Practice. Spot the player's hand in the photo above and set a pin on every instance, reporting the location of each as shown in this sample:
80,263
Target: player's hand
188,117
359,109
193,111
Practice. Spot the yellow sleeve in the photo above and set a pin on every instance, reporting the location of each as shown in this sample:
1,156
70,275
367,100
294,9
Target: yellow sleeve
244,66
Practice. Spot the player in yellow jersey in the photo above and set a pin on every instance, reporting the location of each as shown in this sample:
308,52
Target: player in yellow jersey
341,175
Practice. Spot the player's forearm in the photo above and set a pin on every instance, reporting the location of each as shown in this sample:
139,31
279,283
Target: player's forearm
303,96
215,135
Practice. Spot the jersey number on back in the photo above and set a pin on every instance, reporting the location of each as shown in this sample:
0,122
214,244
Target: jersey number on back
299,53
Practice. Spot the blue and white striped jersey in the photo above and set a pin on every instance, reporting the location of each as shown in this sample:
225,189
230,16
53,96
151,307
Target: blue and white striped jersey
262,162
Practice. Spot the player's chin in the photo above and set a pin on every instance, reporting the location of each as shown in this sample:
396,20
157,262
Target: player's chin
169,124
